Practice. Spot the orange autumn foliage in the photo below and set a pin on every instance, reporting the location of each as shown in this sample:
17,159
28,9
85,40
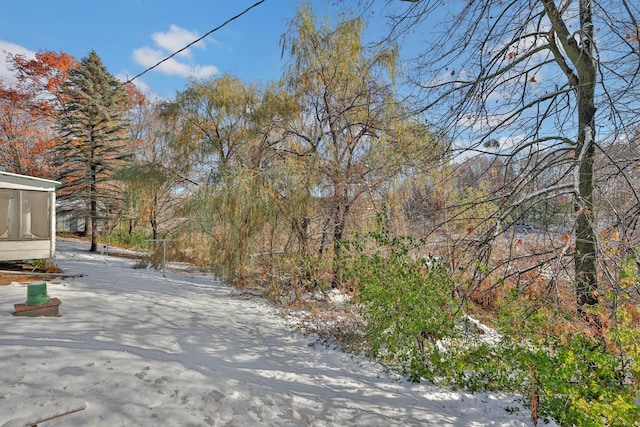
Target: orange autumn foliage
28,104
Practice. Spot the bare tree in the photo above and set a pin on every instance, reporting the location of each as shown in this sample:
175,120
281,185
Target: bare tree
156,179
552,82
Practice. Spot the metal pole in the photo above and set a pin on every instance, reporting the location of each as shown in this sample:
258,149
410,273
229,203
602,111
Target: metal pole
108,231
164,252
164,257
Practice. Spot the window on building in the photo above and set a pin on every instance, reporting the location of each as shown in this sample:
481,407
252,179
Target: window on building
24,215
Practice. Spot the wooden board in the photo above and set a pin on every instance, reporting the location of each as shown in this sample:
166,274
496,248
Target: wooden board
50,308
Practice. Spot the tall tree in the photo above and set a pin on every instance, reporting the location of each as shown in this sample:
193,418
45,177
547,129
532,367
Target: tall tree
93,124
554,82
224,129
355,134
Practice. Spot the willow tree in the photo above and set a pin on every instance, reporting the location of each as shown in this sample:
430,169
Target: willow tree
352,131
212,119
92,124
553,82
224,130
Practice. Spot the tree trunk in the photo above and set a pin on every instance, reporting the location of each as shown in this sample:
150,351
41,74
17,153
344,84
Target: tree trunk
94,226
585,253
94,210
154,215
341,212
154,227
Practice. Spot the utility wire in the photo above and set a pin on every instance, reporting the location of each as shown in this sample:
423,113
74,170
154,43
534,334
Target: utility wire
233,18
196,41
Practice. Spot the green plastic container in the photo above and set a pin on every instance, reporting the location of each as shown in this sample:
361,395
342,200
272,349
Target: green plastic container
37,293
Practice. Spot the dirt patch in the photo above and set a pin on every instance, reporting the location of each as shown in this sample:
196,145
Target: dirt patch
23,273
7,278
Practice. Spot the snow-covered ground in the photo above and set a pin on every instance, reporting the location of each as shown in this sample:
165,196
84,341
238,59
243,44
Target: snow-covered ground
132,348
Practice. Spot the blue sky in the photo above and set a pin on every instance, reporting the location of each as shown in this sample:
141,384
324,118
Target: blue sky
131,35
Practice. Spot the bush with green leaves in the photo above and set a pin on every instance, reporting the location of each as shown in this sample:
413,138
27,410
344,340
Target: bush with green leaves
574,371
119,237
564,367
414,319
408,302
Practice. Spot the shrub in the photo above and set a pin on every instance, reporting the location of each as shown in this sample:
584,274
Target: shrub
407,302
135,240
576,372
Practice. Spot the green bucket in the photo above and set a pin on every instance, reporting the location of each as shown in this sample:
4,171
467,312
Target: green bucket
37,293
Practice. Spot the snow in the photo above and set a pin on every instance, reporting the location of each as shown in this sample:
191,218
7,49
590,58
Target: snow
133,348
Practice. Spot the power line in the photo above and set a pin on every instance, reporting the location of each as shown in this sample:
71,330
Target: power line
233,18
196,41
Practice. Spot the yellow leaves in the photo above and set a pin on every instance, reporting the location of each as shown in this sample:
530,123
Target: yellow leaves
611,234
613,251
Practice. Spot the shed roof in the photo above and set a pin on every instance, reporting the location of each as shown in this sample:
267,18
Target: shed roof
24,182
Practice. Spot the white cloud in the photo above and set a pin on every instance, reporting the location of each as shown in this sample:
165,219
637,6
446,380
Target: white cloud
166,44
204,71
175,39
148,57
9,48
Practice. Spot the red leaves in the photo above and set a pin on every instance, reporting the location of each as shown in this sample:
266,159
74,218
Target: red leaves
46,72
27,109
136,98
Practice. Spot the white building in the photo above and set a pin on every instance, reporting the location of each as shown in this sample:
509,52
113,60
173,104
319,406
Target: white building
27,217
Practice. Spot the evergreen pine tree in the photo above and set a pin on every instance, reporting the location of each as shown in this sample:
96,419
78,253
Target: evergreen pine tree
93,126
